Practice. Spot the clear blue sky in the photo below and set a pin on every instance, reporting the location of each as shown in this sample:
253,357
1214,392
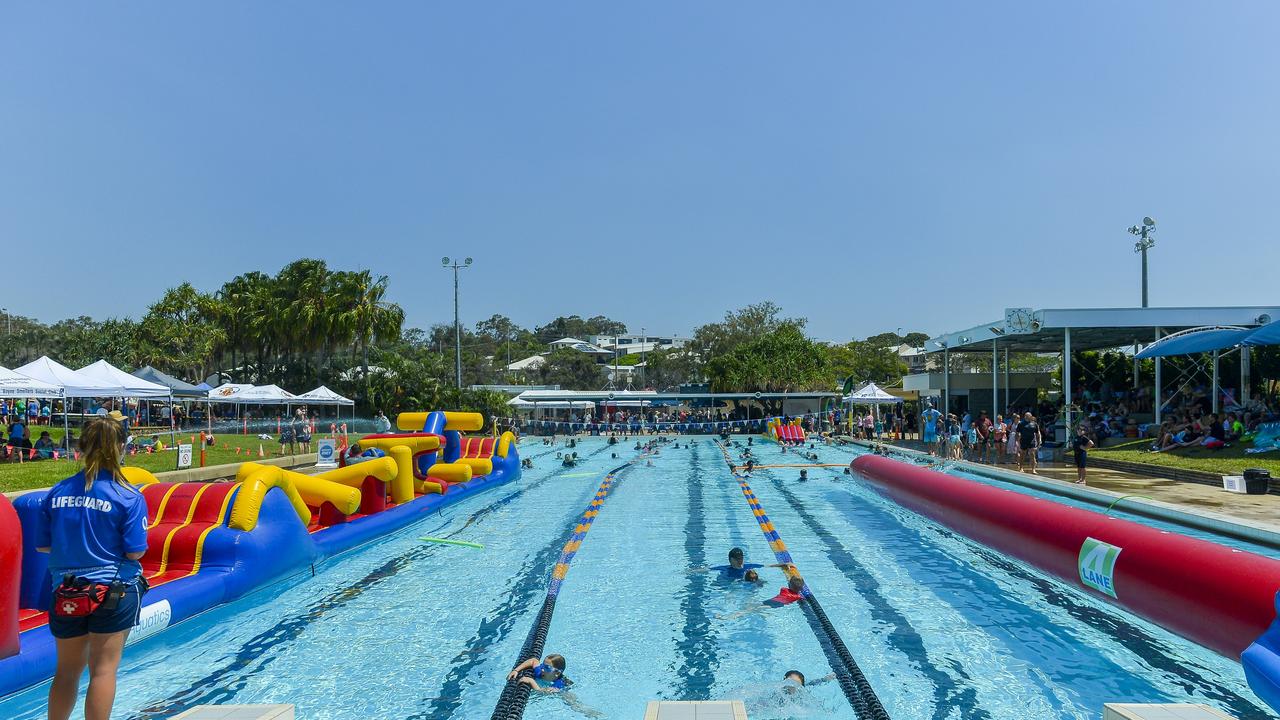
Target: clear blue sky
867,165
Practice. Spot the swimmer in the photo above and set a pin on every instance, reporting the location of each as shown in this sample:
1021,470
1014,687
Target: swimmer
794,680
804,475
751,576
793,592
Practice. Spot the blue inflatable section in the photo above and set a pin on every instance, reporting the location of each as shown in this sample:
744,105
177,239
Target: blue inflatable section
1261,662
233,563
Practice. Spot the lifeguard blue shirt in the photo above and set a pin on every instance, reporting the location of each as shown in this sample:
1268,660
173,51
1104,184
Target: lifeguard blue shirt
90,532
730,571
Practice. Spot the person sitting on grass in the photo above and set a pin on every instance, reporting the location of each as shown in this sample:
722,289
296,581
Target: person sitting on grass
1175,438
44,446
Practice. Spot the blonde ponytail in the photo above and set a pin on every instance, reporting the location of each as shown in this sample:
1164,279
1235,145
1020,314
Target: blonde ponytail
100,444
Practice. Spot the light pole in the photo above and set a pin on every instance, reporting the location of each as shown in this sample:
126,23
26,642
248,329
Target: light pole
644,371
8,320
1145,242
457,327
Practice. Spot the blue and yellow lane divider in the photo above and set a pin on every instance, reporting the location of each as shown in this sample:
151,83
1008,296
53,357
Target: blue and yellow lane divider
579,534
515,696
857,690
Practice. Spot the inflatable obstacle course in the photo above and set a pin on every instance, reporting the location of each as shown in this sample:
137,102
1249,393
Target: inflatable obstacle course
209,543
788,433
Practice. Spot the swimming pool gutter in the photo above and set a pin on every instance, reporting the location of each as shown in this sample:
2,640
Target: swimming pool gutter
1206,521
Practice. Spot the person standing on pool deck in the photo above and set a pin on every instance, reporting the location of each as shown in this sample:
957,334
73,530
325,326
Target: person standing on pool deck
1080,445
94,526
929,420
1028,435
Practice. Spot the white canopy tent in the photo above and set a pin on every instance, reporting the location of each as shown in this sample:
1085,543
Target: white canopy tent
228,392
266,395
324,396
74,384
133,386
14,384
871,394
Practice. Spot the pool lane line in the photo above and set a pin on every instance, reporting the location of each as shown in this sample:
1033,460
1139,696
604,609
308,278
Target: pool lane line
515,694
253,655
853,683
698,646
949,696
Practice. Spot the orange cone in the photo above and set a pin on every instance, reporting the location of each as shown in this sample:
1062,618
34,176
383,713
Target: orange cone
237,451
260,452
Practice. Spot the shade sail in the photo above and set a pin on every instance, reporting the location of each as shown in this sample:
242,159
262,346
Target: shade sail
13,384
871,394
323,396
1190,342
1265,335
73,383
178,387
133,386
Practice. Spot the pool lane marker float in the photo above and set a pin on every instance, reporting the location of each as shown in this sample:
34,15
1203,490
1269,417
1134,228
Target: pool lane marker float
853,683
446,541
515,695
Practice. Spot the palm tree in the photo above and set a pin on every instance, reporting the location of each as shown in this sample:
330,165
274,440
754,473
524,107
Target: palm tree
369,316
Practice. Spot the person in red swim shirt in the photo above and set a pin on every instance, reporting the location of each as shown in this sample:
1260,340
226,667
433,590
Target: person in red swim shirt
792,592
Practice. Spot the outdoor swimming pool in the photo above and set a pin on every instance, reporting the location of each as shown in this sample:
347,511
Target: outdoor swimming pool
403,629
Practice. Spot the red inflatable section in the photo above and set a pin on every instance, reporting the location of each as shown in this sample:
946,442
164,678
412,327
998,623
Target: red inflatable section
10,577
1211,594
791,433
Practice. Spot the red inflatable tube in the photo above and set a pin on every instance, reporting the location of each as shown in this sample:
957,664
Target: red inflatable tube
1211,594
10,577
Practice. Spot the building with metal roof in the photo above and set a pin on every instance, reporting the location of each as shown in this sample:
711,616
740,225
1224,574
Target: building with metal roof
1067,330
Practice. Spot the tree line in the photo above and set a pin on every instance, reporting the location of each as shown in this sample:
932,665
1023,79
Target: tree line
309,324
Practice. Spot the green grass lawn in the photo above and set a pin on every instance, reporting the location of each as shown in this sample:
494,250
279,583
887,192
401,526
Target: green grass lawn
1227,461
43,473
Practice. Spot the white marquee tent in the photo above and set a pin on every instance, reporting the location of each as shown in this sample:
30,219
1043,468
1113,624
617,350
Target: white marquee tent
323,396
871,394
13,384
74,384
134,387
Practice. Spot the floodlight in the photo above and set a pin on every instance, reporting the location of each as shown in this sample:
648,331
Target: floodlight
1148,222
444,261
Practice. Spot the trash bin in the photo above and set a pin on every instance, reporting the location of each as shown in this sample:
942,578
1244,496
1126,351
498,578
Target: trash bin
1257,481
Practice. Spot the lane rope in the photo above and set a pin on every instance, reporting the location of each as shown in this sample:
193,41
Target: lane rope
853,683
515,695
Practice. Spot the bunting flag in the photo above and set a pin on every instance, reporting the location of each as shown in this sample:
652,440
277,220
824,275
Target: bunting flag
55,455
76,453
32,455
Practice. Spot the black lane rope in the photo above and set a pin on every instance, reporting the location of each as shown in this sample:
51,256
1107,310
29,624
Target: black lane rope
853,683
515,695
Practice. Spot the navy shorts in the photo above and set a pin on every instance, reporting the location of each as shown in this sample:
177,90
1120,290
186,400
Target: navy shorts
101,621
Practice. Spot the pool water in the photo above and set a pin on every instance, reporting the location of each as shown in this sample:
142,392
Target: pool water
943,628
